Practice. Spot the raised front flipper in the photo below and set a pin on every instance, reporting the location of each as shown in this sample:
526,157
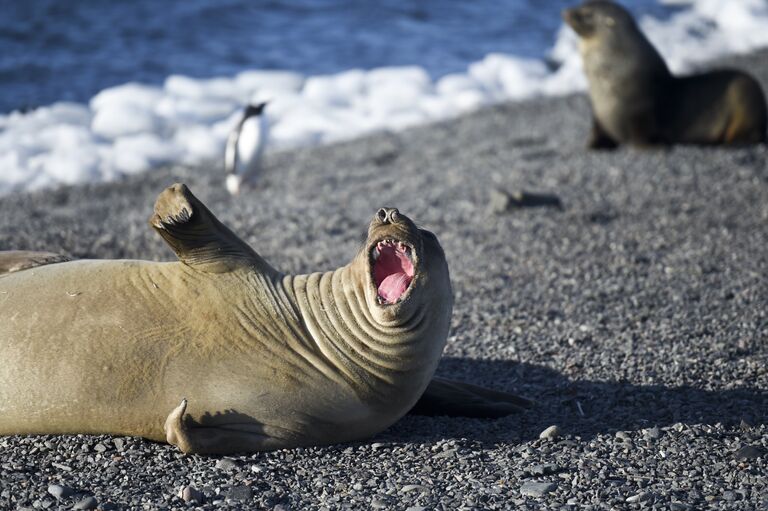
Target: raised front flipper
197,236
17,260
240,436
457,399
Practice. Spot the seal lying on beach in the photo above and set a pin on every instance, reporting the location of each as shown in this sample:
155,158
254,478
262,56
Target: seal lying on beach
258,360
636,100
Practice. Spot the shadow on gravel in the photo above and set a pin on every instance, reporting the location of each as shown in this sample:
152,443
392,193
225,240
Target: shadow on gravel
580,407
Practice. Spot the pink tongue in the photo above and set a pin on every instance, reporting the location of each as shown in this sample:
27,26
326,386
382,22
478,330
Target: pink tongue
393,287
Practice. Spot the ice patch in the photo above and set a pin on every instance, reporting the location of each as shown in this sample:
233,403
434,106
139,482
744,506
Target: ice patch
133,127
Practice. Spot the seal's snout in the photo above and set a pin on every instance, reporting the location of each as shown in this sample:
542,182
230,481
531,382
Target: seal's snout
388,215
577,18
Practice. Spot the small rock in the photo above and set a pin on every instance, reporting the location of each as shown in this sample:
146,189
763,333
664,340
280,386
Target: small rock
357,487
652,433
550,433
240,493
86,503
534,489
99,447
378,504
502,201
108,506
119,443
63,467
226,464
640,497
60,492
411,487
281,507
541,470
749,452
623,436
189,493
416,508
448,453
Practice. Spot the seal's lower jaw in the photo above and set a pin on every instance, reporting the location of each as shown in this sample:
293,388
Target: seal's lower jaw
393,268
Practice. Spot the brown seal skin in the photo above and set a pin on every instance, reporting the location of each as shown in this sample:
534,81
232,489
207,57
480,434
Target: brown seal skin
258,359
636,100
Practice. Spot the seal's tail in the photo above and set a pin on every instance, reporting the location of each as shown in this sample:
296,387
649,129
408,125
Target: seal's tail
17,260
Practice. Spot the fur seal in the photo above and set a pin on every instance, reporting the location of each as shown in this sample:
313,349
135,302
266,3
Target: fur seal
221,353
636,100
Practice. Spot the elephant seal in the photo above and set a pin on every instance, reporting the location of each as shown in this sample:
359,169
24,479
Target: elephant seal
636,100
220,353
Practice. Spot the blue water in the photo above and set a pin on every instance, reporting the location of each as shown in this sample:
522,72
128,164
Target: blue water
53,50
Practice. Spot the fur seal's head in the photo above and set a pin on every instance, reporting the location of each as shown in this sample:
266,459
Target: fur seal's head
599,19
404,268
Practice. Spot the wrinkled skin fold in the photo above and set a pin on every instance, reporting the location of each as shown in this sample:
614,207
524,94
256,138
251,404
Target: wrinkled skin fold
221,353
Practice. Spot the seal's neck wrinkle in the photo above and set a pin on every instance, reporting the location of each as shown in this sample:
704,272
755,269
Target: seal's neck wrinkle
333,309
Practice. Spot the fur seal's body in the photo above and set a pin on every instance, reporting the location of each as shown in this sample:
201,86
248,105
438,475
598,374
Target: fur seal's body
265,360
636,100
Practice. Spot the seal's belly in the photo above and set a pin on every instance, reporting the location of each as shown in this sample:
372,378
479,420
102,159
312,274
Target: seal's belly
84,342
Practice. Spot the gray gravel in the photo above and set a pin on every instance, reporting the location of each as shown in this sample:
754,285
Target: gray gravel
635,316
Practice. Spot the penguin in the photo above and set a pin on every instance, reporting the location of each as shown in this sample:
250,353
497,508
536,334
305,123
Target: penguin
245,146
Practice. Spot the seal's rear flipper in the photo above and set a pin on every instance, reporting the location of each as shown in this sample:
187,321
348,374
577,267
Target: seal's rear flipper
457,399
197,236
237,437
17,260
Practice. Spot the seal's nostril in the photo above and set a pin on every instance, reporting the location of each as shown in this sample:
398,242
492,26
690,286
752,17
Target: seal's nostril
394,215
382,215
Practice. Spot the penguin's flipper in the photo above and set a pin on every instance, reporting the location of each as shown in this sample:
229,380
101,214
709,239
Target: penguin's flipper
230,152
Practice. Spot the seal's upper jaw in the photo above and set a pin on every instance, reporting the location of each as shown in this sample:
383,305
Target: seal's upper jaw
393,257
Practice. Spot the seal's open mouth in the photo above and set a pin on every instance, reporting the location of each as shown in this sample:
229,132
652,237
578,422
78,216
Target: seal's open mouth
392,270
